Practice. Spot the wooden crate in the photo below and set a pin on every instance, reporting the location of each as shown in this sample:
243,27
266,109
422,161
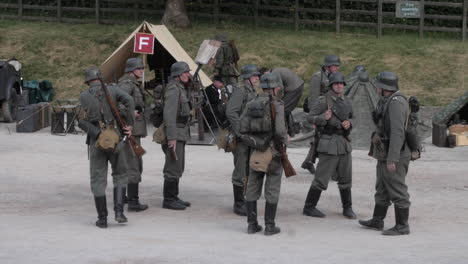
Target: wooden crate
462,139
458,129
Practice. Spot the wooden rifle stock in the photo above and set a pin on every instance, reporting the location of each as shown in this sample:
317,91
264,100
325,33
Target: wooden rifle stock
137,149
287,166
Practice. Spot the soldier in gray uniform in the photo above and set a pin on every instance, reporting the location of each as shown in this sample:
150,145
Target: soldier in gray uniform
390,148
331,114
271,85
95,116
226,62
176,117
291,91
319,85
129,83
235,106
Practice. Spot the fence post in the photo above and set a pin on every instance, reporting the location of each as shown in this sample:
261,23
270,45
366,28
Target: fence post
379,18
296,16
20,10
135,11
465,9
256,13
338,16
421,19
98,12
216,11
59,11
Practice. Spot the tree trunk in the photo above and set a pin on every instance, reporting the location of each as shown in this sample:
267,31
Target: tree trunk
175,14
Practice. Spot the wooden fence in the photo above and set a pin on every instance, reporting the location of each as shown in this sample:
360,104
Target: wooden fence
105,11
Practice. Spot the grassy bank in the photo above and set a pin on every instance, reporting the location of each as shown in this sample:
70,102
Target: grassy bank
432,69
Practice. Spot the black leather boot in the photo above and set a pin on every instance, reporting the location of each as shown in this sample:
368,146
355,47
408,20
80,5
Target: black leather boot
270,214
377,220
345,195
134,204
119,193
101,208
239,207
311,202
187,204
169,192
253,227
401,223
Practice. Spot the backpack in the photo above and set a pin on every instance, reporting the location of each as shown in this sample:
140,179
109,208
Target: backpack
256,118
411,125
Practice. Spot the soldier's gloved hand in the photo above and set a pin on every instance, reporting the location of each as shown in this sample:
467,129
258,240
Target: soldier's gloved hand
391,166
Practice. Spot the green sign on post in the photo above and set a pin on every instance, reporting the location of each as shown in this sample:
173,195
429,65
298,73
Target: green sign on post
407,9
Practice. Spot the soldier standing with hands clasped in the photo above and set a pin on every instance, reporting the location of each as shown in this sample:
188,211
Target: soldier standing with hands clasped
390,148
331,114
98,121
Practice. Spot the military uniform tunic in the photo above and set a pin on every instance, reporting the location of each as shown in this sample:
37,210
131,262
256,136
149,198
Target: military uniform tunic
391,186
292,87
275,169
334,149
225,64
130,85
235,106
96,109
176,124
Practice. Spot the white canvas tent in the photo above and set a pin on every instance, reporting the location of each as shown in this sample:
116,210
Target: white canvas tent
113,68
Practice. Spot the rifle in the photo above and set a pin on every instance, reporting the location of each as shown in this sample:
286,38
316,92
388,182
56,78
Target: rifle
340,118
134,146
287,166
235,52
314,145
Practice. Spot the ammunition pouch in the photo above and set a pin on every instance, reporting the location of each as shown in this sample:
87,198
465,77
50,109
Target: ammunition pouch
330,130
182,120
107,139
92,129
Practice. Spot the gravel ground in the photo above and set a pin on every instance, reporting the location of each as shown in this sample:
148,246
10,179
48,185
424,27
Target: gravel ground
48,214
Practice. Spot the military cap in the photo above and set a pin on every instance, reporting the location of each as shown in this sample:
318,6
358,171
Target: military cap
179,68
220,37
92,73
133,64
249,70
218,78
359,68
387,80
336,77
331,60
270,81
